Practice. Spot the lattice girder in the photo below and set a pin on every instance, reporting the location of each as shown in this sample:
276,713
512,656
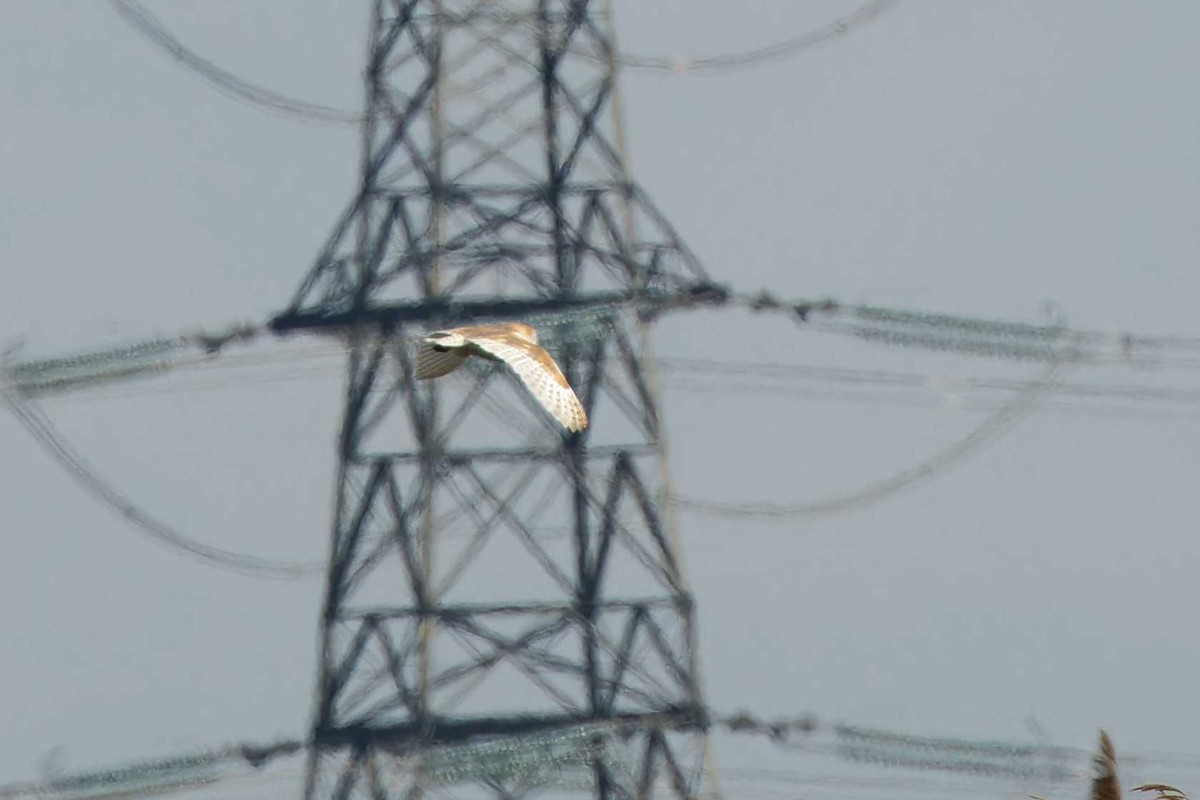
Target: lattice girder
491,576
491,165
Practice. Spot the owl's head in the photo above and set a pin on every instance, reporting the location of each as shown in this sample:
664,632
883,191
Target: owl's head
445,339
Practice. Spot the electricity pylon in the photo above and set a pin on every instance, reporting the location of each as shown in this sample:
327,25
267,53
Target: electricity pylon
505,607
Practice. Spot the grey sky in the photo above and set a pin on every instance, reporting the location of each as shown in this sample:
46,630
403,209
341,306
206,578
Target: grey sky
979,158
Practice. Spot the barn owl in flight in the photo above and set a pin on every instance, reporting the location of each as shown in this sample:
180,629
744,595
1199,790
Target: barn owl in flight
514,343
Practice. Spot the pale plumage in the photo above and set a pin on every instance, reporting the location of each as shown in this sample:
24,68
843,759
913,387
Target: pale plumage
514,343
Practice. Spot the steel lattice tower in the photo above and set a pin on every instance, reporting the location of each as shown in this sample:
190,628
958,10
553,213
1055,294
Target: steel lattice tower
504,601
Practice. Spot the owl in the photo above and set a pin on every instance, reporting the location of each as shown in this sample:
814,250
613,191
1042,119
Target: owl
515,344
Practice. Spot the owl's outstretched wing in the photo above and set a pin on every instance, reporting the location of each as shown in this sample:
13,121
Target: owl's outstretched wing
538,371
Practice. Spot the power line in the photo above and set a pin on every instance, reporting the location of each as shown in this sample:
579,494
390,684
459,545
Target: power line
153,30
759,56
31,417
36,422
981,337
911,388
146,24
888,326
959,762
696,375
961,334
1139,412
779,371
898,327
1021,405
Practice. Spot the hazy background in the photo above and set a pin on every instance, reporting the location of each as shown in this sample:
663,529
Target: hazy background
976,158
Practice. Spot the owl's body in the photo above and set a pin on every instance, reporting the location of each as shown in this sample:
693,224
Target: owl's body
515,344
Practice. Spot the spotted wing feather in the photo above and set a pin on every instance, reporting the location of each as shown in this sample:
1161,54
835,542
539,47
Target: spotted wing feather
540,374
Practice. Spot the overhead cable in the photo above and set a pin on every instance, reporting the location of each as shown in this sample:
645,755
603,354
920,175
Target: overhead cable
148,26
978,336
32,418
793,380
759,56
1023,403
1056,344
960,761
93,378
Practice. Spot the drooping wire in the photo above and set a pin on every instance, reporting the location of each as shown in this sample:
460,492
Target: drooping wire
18,384
145,23
36,422
1055,344
759,56
149,27
1020,406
